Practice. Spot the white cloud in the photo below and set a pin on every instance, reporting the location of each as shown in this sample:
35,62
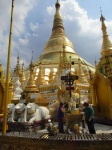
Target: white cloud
23,42
33,26
21,10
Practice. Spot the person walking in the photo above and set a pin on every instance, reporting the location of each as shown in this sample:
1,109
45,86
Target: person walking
89,116
61,117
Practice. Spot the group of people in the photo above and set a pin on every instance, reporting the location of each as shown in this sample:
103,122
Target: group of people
89,117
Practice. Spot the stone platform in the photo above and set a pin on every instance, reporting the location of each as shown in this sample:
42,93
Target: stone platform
42,141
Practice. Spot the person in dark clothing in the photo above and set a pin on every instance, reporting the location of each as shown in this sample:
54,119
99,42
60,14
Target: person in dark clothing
60,117
89,114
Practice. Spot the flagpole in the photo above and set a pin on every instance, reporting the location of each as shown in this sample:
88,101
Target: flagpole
4,126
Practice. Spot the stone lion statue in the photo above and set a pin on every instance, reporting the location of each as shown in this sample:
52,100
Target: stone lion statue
36,113
11,110
20,112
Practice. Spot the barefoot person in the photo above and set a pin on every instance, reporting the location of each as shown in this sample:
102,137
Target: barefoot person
89,114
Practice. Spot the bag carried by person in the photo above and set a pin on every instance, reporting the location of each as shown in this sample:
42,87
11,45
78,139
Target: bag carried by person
93,120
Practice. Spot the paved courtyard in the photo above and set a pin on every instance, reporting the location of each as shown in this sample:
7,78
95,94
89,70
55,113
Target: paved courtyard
100,128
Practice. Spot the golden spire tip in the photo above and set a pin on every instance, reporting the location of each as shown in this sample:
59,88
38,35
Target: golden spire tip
100,10
101,18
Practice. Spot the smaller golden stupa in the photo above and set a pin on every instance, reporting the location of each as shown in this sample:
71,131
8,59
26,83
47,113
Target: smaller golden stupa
101,84
23,77
40,78
31,91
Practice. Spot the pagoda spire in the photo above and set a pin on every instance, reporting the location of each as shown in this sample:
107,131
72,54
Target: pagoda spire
40,79
56,40
58,27
17,69
31,85
23,77
106,44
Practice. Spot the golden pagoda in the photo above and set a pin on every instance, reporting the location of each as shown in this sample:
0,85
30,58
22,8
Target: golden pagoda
101,84
58,54
58,43
17,69
31,85
23,77
31,91
40,78
55,61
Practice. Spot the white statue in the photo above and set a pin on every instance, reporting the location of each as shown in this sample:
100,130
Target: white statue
36,113
20,112
11,110
17,89
72,104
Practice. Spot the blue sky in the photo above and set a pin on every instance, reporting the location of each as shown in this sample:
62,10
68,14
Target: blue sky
33,21
93,7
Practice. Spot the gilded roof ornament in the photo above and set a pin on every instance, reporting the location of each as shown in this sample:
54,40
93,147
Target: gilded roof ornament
58,23
31,85
40,79
106,44
17,69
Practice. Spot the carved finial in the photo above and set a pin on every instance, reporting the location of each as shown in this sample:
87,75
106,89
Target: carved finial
100,10
101,18
57,5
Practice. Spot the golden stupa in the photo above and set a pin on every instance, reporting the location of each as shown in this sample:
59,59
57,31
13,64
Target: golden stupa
54,46
44,75
58,59
101,84
31,92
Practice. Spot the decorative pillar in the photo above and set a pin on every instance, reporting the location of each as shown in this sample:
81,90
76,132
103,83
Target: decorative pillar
94,95
10,92
109,94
